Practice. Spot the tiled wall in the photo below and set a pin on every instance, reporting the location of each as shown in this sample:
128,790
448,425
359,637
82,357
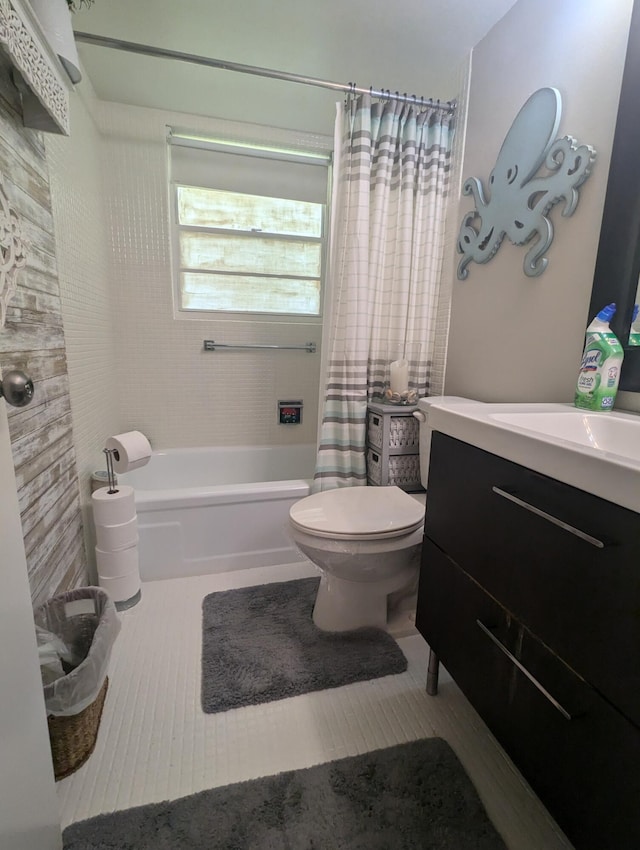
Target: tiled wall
84,271
33,340
168,387
132,364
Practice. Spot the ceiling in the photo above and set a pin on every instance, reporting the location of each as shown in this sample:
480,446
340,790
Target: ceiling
413,46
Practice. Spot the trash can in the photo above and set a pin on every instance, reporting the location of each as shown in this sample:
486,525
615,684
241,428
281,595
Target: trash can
75,631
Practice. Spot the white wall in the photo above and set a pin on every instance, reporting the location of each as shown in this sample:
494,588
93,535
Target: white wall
83,254
168,387
514,338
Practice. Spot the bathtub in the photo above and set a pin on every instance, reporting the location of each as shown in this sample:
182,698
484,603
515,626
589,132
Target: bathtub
212,510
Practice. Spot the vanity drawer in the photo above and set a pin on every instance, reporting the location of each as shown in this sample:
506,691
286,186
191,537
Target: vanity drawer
506,526
577,752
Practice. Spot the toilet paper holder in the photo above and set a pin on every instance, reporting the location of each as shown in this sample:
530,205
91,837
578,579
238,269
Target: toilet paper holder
109,453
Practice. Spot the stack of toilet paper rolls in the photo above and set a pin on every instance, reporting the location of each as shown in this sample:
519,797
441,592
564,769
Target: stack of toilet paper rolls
116,522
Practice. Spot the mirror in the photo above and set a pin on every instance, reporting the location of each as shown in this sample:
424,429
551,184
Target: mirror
617,271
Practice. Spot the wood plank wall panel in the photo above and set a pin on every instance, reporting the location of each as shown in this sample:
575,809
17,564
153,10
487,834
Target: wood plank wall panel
33,340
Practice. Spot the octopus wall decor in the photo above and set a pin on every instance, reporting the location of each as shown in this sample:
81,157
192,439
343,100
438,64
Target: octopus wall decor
518,197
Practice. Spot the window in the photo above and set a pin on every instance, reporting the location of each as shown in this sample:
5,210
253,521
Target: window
248,253
240,251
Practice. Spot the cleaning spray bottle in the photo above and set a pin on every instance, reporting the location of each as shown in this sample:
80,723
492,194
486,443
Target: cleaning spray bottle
601,363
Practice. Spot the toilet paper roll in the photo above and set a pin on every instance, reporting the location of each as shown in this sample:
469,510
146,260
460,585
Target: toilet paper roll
119,564
121,588
110,538
132,450
113,508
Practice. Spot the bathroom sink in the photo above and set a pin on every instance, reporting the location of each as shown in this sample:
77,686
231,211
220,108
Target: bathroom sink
596,452
608,432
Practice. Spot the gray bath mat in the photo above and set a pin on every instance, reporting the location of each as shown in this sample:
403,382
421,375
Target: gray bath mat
260,644
406,797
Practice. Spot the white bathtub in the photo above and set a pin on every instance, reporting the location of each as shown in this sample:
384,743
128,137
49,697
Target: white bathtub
212,510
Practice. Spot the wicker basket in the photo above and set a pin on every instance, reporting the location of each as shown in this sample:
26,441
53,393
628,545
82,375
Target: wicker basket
73,738
402,470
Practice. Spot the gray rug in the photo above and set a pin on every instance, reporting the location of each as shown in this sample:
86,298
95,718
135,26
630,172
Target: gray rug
412,796
260,644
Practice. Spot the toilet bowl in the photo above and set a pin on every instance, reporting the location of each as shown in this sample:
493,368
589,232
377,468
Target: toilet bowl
366,542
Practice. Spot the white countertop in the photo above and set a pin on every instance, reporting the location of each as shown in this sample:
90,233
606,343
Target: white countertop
576,447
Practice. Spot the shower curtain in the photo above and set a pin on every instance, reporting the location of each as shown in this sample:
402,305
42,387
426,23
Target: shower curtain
385,252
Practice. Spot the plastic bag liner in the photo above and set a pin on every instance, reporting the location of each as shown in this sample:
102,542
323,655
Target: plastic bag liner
87,622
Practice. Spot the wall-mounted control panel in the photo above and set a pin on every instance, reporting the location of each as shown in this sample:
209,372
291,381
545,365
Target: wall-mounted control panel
290,412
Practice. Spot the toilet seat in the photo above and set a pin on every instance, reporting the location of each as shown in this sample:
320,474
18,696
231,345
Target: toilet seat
358,513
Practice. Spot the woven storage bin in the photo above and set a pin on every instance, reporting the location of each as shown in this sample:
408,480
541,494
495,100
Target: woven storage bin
403,470
404,431
73,738
374,467
375,429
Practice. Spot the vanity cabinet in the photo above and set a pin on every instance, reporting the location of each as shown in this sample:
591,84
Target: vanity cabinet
530,596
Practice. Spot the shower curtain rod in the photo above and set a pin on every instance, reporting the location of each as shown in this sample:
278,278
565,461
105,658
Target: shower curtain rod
349,88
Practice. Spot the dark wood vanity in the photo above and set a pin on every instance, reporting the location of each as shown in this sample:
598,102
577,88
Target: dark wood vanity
530,596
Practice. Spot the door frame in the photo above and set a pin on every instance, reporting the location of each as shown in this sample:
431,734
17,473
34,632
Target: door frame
29,813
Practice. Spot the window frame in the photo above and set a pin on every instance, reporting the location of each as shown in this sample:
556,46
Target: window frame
181,312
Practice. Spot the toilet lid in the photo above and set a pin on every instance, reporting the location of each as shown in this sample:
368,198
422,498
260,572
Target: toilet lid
358,512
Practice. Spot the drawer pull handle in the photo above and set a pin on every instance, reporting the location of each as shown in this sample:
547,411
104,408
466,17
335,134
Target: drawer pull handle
554,702
545,693
550,518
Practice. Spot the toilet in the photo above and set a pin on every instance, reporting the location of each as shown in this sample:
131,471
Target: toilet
366,542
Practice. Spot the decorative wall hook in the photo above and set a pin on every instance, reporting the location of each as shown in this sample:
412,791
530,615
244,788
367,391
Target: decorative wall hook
519,199
13,251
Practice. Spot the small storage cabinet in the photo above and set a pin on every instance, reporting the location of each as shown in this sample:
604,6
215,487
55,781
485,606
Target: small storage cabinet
393,441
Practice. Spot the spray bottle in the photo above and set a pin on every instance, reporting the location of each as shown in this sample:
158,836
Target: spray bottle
601,362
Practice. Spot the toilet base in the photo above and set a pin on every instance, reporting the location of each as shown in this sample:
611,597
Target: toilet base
343,605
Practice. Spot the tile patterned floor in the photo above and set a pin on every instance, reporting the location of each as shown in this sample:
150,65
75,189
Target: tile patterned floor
155,743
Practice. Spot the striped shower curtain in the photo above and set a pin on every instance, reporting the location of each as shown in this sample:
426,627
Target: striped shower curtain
385,262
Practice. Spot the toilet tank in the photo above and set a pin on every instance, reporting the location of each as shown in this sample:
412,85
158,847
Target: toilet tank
422,414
